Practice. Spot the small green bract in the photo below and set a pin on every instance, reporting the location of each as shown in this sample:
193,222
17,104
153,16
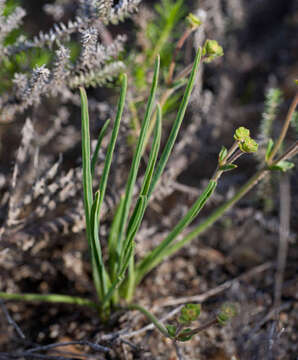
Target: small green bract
222,155
183,336
171,330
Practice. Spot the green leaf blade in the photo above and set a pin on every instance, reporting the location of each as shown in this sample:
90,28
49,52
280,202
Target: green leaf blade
137,158
87,177
101,135
177,124
163,249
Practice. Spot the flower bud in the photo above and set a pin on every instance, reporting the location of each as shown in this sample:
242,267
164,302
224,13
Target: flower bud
193,21
211,50
248,145
241,133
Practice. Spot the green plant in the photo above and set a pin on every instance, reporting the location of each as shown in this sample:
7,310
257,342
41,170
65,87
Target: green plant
116,280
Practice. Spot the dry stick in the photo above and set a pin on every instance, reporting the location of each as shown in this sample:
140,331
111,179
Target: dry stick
284,229
178,351
93,346
8,356
185,72
269,316
11,321
291,152
176,51
284,129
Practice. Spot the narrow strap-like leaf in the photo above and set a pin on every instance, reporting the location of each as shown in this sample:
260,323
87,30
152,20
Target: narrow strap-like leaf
176,126
113,237
101,135
87,189
153,153
111,147
120,275
150,166
160,252
137,158
142,202
137,217
87,178
100,268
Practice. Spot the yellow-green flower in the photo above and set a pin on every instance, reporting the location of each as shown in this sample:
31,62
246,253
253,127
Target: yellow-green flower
248,145
241,134
212,48
193,21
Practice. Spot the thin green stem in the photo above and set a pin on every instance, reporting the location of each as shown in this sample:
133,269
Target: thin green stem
152,261
161,251
150,316
198,329
218,212
51,298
